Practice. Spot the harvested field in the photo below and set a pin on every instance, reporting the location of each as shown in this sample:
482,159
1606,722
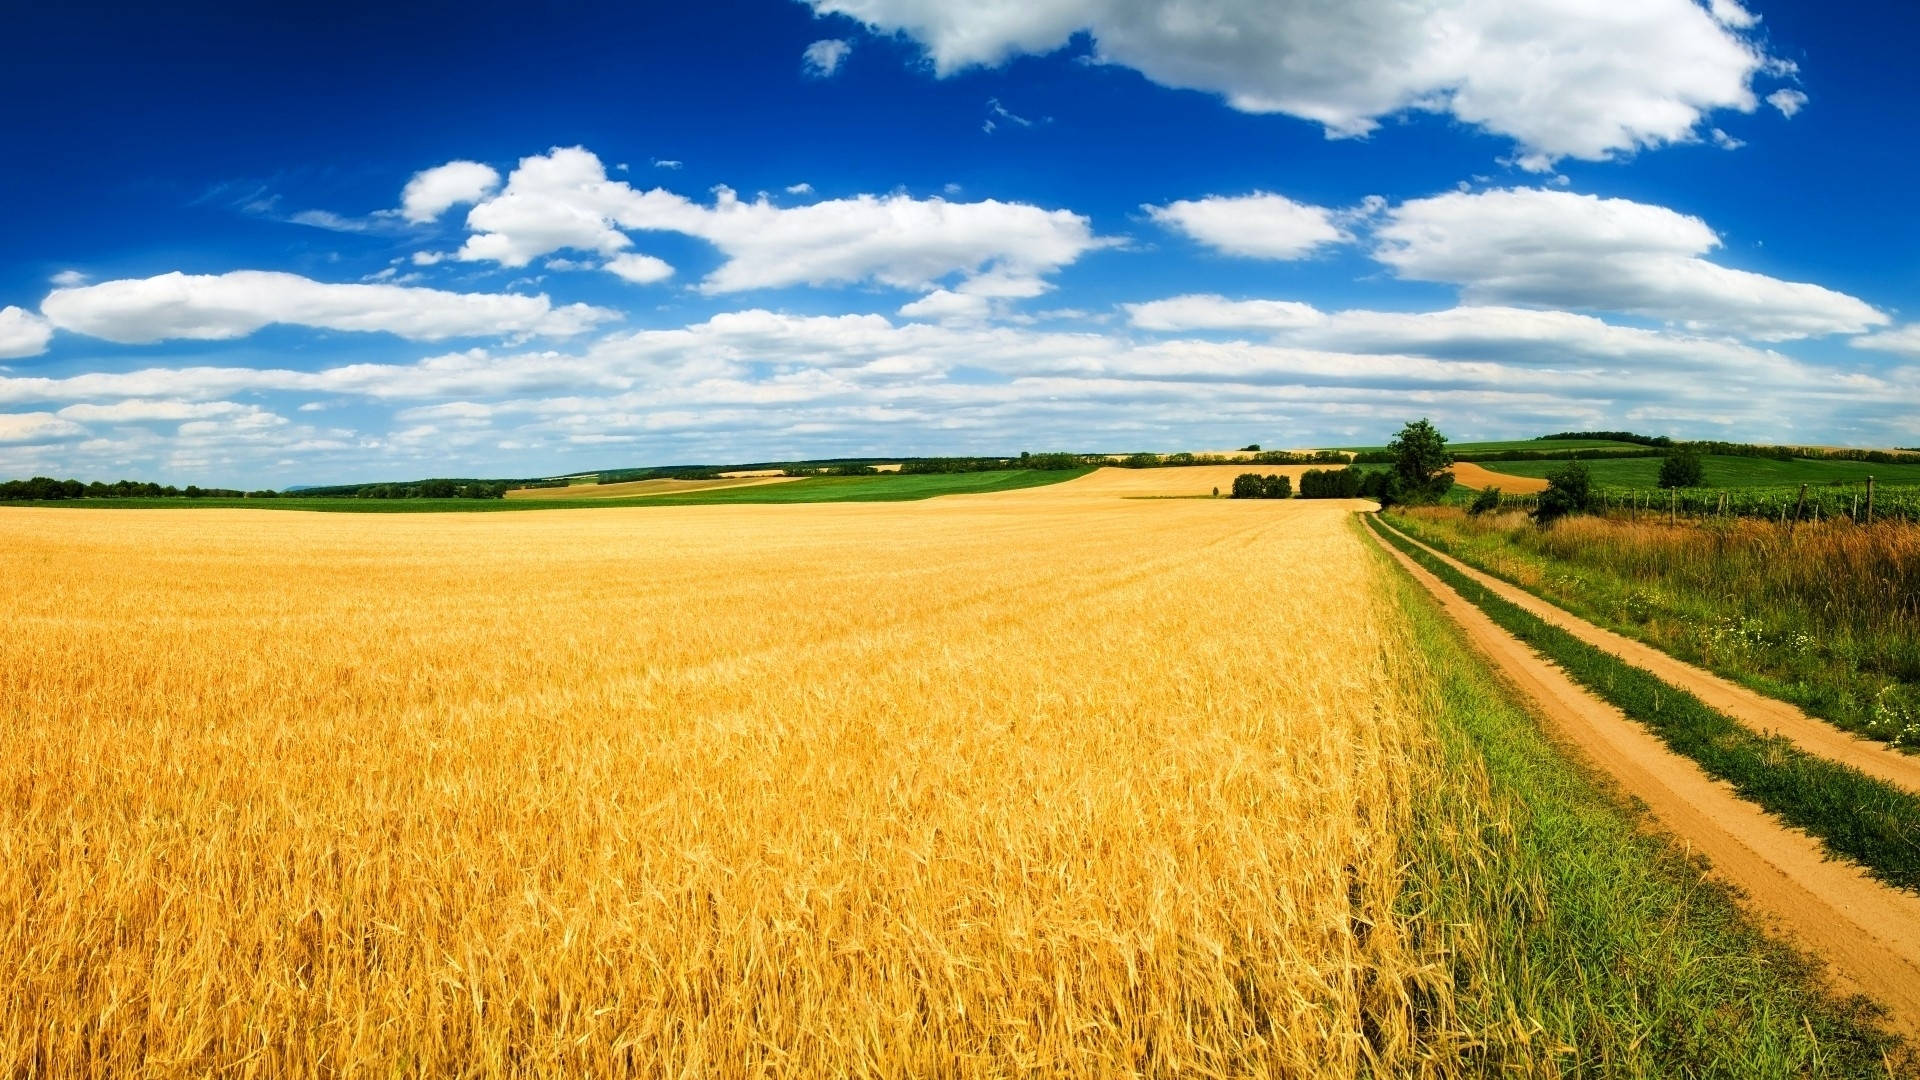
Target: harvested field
1171,481
634,488
1479,476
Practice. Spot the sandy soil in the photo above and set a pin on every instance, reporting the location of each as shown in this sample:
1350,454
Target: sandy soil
636,488
1474,476
1868,932
748,474
1756,711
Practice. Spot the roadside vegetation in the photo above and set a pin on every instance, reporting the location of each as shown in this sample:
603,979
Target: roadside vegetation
1600,948
1825,616
1864,819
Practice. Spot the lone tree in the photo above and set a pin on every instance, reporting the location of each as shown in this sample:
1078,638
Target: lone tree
1420,460
1682,469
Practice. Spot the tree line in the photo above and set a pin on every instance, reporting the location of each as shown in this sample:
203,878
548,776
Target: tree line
47,489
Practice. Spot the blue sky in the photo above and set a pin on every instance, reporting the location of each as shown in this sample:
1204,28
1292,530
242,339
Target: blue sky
328,243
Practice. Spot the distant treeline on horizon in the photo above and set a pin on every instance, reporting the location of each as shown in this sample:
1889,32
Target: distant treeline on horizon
48,489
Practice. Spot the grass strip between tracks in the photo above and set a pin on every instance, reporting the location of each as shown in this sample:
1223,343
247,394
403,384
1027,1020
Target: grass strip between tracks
1853,815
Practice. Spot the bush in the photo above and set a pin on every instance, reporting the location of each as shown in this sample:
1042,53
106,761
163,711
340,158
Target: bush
1682,469
1256,486
1569,491
1487,499
1330,484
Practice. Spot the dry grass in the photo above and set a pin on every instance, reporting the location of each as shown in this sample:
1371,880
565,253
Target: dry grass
959,788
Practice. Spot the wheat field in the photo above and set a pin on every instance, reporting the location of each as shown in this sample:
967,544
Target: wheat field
980,786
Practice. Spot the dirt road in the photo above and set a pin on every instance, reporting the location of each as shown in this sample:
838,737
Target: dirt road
1756,711
1868,932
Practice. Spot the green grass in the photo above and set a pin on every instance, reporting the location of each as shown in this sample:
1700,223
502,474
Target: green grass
1854,815
1723,471
886,487
1581,942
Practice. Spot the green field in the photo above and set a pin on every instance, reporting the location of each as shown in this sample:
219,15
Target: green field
886,487
1724,471
1541,445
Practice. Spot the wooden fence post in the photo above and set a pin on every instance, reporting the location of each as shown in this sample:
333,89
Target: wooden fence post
1801,507
1673,506
1869,500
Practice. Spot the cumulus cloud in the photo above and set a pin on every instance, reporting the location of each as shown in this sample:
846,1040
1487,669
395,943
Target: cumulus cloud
1562,78
639,269
22,333
1560,249
1211,312
1788,100
564,200
823,58
1260,225
214,307
434,191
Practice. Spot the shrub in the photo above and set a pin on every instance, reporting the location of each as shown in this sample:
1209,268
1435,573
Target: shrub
1487,499
1569,490
1278,487
1330,484
1682,469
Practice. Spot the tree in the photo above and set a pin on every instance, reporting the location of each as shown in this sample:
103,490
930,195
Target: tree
1569,491
1682,469
1249,486
1488,499
1277,487
1420,460
1251,448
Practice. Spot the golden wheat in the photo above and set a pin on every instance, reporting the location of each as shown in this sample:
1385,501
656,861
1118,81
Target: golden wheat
973,787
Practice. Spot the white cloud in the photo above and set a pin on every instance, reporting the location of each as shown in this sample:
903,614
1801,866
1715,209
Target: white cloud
1904,340
564,200
801,188
22,333
210,307
639,269
434,191
760,383
1260,225
37,427
139,410
1730,13
1789,101
943,305
822,58
1725,141
1564,78
1210,312
1559,249
67,279
662,163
